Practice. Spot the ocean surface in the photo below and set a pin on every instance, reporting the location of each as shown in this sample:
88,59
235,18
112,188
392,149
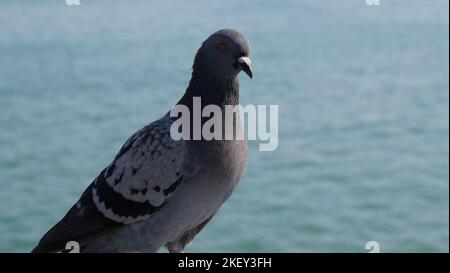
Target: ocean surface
363,97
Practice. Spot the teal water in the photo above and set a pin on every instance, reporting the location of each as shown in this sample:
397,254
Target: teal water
363,95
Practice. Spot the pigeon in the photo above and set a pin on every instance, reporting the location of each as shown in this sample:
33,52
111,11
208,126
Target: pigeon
160,192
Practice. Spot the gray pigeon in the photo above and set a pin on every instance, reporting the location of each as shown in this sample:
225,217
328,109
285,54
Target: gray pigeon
159,191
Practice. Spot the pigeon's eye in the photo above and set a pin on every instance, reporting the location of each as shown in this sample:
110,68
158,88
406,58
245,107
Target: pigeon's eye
224,47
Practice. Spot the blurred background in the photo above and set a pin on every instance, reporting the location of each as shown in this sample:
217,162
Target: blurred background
363,95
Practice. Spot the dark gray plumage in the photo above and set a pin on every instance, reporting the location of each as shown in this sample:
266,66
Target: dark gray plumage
158,191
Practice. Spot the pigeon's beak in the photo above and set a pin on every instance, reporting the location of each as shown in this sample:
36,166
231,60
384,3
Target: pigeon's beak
246,65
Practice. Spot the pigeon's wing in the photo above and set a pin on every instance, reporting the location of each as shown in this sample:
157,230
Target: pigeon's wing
139,181
143,176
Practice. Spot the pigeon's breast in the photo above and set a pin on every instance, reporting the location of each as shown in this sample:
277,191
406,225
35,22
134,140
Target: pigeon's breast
218,164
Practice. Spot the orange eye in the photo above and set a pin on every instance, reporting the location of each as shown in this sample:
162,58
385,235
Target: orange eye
224,47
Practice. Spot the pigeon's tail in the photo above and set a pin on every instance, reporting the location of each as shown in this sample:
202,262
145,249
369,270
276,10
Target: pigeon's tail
75,231
51,241
37,250
40,249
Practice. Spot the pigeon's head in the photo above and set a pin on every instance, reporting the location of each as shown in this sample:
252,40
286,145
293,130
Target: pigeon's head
224,54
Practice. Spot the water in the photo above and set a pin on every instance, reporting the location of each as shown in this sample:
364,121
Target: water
363,94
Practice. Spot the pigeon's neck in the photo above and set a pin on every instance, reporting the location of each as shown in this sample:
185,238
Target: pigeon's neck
211,90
